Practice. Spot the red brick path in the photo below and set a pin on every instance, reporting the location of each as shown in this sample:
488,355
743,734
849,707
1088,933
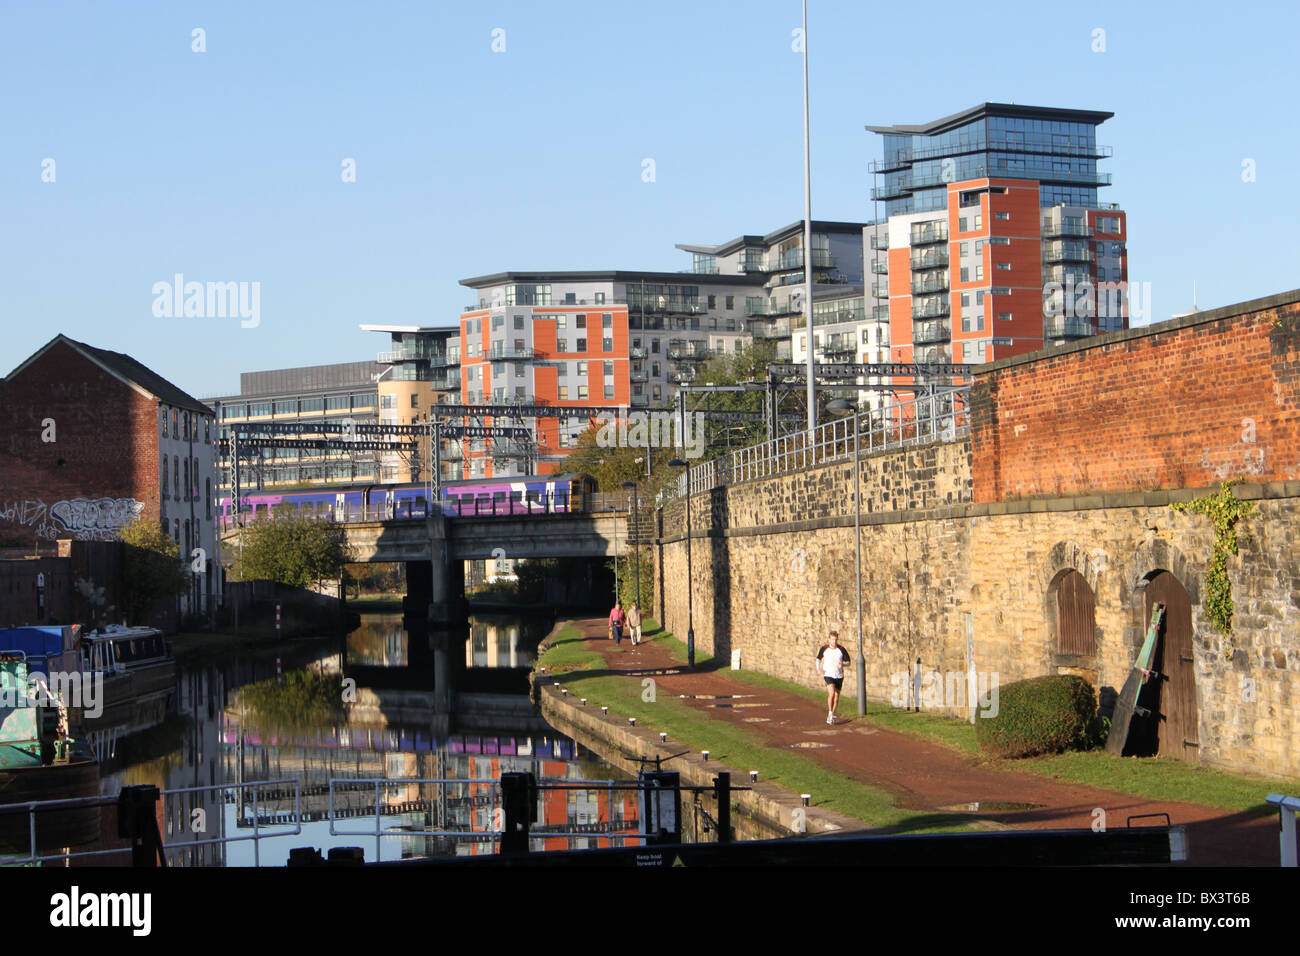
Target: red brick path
929,777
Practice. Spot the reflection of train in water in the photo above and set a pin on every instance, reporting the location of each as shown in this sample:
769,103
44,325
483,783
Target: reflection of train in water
522,494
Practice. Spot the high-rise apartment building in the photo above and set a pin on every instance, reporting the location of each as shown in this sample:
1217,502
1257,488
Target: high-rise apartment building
993,239
579,340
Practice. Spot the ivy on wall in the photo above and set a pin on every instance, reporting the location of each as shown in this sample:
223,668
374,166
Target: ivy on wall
1224,509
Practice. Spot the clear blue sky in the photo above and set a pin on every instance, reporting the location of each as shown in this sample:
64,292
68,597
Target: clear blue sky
225,165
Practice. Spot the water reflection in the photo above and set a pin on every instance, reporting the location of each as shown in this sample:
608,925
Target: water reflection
251,744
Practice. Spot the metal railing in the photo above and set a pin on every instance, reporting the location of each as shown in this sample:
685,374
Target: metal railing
945,417
172,801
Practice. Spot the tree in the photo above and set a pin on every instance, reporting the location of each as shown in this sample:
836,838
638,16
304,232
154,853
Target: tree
151,568
292,550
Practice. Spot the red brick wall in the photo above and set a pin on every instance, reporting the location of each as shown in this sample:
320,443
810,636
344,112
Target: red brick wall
1153,408
106,443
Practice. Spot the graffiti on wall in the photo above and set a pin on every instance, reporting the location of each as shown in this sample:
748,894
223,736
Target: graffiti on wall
85,519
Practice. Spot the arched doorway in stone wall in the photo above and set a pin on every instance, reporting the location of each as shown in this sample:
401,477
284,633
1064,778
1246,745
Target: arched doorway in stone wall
1172,730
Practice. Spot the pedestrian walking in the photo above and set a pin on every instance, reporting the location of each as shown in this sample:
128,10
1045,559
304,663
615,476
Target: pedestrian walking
634,624
617,619
831,661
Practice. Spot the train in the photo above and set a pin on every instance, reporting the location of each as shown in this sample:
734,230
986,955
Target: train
516,495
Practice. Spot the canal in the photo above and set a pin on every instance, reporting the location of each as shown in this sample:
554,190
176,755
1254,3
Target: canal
349,729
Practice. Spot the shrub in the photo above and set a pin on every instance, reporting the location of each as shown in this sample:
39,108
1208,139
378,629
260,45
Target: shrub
1040,715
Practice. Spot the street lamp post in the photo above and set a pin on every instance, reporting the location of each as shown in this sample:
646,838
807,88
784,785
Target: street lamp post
690,608
840,406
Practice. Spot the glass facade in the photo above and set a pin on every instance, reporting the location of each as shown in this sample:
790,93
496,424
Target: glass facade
1060,155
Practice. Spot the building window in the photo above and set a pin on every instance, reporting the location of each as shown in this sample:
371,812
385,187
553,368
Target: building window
713,302
582,392
580,321
207,431
175,424
961,225
162,420
176,530
582,345
519,321
1005,316
979,220
176,479
387,401
731,302
965,276
607,345
1004,266
600,298
564,393
415,400
561,346
561,321
979,272
164,476
498,321
1004,216
654,346
609,391
582,368
208,496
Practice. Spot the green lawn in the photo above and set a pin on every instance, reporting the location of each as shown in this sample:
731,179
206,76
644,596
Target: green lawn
582,672
1154,778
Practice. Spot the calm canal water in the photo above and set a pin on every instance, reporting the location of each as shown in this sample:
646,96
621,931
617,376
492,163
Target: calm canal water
236,737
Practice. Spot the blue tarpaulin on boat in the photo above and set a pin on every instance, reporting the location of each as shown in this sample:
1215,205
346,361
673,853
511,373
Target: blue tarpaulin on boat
38,642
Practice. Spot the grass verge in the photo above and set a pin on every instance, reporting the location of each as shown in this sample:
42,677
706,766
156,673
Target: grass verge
582,671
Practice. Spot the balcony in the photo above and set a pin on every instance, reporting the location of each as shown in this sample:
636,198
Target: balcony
926,333
924,233
879,267
929,259
880,290
666,304
444,361
779,262
683,376
636,353
880,313
775,329
940,356
402,355
879,241
836,352
687,354
1066,252
509,355
639,401
1066,274
638,376
1066,227
926,282
931,307
1071,328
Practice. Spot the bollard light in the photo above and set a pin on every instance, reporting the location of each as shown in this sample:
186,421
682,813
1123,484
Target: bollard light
604,710
663,738
705,753
753,776
584,702
632,721
564,692
805,797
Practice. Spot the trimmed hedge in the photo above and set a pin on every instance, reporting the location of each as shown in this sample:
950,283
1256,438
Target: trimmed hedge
1040,715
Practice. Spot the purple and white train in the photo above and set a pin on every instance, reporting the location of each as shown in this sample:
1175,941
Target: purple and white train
524,494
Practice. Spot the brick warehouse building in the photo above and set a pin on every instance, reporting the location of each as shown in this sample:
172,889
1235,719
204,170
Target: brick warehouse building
91,440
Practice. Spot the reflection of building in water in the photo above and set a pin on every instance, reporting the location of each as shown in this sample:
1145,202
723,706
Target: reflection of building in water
400,758
380,641
493,644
